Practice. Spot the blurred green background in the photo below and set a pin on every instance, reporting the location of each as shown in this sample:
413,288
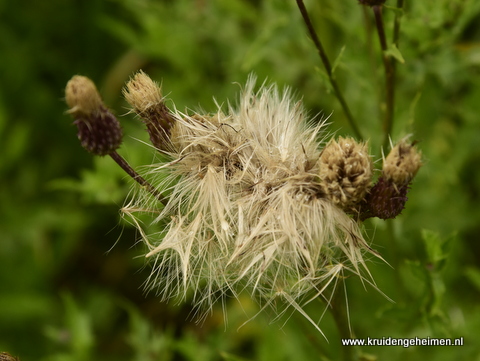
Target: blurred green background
72,272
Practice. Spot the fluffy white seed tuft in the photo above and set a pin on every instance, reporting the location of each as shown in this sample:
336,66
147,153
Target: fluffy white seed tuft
248,208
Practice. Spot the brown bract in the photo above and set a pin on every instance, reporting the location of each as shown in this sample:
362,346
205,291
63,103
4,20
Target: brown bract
145,96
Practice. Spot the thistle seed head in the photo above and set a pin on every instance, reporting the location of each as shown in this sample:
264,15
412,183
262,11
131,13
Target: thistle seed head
99,131
251,208
145,96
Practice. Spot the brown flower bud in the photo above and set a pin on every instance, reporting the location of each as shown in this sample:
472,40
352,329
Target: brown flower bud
388,196
385,200
145,96
345,171
98,129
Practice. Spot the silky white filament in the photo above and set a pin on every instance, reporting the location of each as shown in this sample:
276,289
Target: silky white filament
253,205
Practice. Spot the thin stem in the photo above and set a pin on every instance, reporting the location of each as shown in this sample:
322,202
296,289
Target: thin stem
389,76
328,69
369,36
395,261
373,61
396,24
137,177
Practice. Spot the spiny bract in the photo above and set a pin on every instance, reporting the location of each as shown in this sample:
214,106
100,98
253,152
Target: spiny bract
248,208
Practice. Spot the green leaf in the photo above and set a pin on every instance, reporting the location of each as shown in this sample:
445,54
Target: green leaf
437,249
394,52
77,333
323,77
148,344
79,324
473,274
337,59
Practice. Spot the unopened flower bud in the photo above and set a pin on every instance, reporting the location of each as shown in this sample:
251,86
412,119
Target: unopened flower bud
82,97
98,129
145,96
346,171
388,196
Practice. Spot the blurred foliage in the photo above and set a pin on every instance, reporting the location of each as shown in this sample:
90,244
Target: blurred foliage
71,273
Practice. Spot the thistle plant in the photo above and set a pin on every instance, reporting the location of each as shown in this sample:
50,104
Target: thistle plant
258,198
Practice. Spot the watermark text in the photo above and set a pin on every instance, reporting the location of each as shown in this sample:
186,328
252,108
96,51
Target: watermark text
404,342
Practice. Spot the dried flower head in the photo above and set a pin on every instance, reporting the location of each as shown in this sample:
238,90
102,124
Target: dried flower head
98,129
255,205
346,171
256,201
146,98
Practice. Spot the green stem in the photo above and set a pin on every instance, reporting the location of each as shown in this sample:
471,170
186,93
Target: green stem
369,35
339,311
328,69
394,258
389,76
396,24
137,177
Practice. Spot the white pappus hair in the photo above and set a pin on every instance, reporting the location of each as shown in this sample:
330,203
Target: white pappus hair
248,209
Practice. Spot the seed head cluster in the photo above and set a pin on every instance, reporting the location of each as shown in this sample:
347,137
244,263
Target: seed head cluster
255,204
259,200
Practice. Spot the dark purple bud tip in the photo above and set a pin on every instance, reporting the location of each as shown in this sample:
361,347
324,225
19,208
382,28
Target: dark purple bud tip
385,200
99,131
99,134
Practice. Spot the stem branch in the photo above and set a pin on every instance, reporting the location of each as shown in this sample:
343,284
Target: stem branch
137,177
328,68
389,76
396,24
